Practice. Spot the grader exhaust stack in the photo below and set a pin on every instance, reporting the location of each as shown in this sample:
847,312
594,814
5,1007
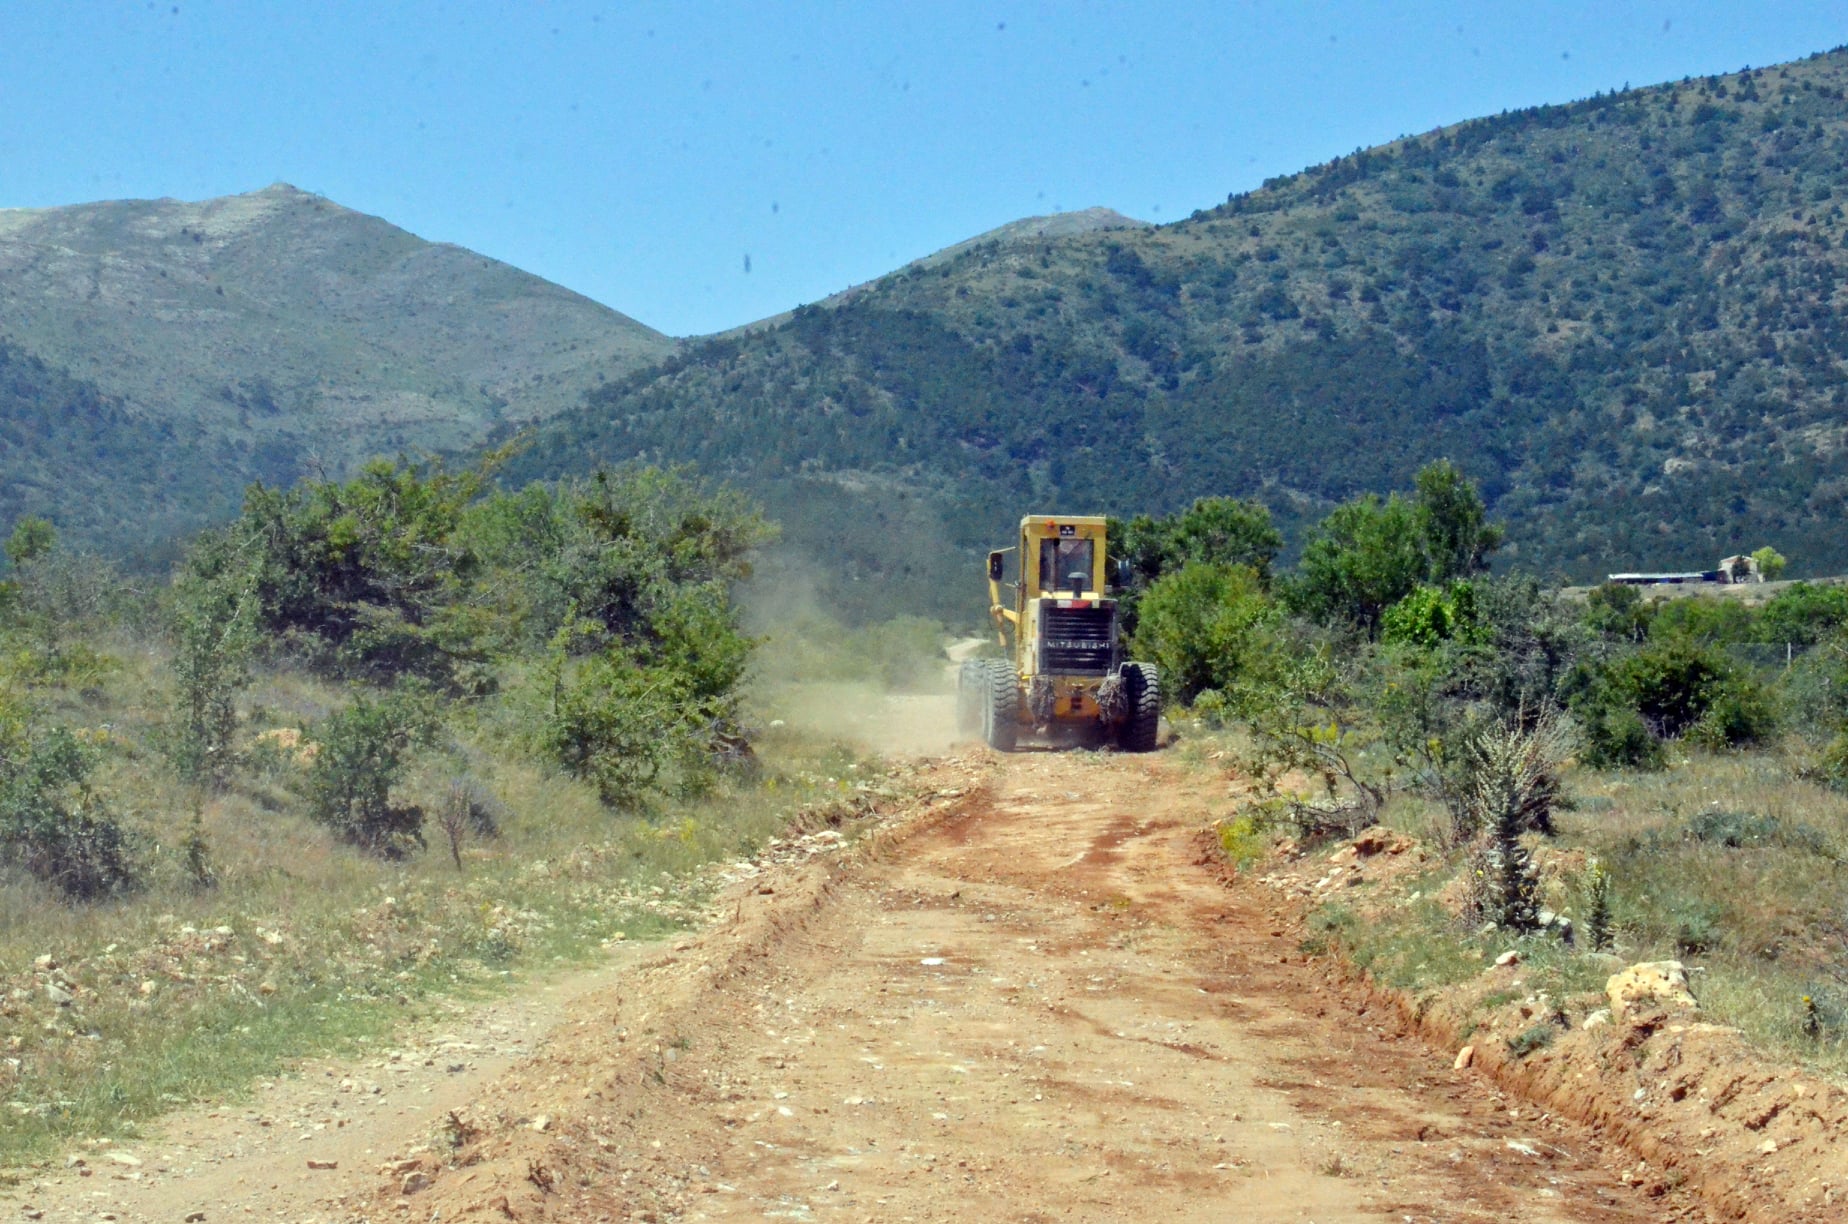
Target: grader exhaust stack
1066,680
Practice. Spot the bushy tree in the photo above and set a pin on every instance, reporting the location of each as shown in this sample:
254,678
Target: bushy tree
1452,523
1431,615
367,577
1359,561
1802,614
1221,531
214,626
1771,563
362,753
51,822
31,539
1204,626
618,725
1618,612
1369,554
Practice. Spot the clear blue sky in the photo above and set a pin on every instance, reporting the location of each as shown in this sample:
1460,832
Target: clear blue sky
638,153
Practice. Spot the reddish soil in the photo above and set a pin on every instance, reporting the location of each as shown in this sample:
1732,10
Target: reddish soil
1026,1001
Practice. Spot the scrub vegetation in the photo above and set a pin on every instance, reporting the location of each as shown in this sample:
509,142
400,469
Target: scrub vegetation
378,738
1590,771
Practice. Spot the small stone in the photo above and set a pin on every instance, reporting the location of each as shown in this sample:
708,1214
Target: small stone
1510,957
414,1182
1597,1019
1768,1146
324,1164
123,1158
195,1218
1465,1057
542,1122
57,994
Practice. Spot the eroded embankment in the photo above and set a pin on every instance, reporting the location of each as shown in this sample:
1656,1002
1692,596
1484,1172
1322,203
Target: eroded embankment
1693,1102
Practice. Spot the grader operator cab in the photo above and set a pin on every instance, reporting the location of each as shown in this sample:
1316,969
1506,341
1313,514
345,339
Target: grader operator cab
1066,680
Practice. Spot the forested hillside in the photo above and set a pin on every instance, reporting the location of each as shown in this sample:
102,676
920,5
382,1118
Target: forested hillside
1619,316
156,355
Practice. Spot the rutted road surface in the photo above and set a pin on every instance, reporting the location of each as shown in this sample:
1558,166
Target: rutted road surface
1028,1001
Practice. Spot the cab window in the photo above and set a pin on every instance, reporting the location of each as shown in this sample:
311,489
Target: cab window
1060,560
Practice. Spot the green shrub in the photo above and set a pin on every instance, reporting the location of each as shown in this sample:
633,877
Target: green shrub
214,622
1802,614
51,823
1359,561
1619,612
1205,627
616,725
1615,736
1740,712
1432,615
361,756
1704,621
1671,684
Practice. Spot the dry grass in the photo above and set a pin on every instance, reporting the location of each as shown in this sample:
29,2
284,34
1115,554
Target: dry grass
1729,862
110,1014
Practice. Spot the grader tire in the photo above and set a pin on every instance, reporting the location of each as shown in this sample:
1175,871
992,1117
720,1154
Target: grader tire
1141,728
1000,712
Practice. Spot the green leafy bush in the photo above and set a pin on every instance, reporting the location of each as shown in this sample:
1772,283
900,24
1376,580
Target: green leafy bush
1802,614
1359,561
1615,736
617,725
362,754
1205,626
1671,685
51,823
1431,615
1618,612
214,624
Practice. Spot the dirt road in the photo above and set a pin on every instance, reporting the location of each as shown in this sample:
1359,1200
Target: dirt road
1031,1002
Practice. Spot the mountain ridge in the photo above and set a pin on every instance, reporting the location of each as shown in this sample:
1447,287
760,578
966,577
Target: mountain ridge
284,334
1622,316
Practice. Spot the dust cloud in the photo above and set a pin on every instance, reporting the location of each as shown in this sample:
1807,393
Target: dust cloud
887,687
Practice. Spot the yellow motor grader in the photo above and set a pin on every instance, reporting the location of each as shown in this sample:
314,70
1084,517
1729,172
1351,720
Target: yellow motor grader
1067,681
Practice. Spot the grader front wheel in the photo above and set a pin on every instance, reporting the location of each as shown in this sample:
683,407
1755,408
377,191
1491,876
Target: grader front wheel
1000,712
1142,726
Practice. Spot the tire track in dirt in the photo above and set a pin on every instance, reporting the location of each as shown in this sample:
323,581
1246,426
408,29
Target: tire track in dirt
1029,1003
1036,1007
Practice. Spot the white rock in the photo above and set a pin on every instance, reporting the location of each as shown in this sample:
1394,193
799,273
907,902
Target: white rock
1664,982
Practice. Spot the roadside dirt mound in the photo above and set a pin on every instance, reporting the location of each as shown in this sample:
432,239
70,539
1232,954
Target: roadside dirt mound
1695,1106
